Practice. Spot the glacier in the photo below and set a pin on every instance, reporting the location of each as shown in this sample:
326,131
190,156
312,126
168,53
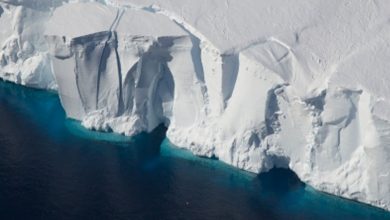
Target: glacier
300,84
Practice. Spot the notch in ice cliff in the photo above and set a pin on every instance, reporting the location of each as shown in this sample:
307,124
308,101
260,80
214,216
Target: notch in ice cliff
257,84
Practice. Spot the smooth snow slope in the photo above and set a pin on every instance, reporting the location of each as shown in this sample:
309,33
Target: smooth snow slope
257,84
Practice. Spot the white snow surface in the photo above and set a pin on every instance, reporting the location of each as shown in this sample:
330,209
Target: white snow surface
301,84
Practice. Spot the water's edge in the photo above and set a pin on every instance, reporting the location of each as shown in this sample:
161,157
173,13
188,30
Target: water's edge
29,101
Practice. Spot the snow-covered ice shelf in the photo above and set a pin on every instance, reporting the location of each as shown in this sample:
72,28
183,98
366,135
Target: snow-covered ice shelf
302,84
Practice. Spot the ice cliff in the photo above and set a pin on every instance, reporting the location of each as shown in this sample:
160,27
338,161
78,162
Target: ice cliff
302,84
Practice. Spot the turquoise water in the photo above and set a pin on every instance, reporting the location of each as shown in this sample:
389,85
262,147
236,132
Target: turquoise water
52,168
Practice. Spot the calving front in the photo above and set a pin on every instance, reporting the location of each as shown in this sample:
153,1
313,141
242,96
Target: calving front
290,87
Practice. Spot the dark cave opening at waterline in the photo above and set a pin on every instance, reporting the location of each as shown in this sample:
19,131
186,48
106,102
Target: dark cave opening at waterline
50,167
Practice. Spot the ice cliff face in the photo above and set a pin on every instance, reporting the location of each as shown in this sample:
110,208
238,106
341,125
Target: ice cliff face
257,84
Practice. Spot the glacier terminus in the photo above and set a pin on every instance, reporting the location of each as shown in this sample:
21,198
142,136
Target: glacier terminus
298,84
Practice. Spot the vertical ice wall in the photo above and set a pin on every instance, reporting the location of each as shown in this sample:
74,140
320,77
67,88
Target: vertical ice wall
304,91
126,80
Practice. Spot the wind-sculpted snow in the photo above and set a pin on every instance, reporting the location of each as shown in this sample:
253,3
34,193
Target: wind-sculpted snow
256,84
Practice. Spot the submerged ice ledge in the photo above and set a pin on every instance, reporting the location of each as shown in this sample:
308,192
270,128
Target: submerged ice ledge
249,82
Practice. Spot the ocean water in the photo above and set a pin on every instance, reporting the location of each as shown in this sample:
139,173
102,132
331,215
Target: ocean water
52,168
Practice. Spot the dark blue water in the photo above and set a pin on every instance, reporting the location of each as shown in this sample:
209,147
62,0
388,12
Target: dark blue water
51,168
